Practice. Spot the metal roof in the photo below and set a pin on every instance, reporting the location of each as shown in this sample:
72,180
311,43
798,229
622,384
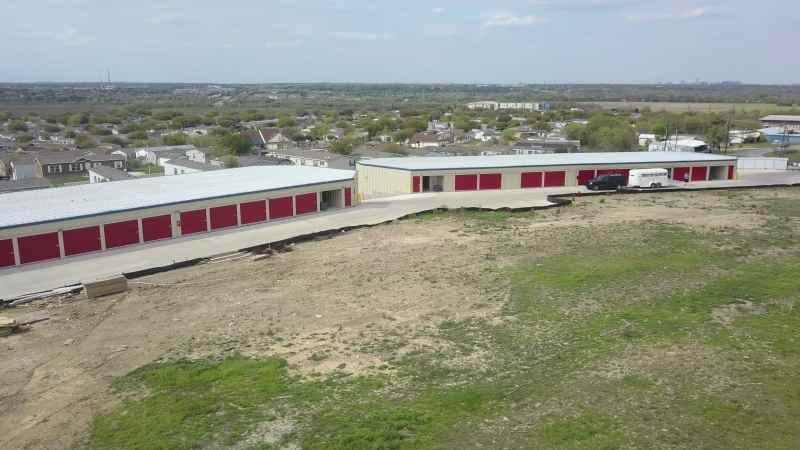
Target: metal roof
780,118
562,159
48,205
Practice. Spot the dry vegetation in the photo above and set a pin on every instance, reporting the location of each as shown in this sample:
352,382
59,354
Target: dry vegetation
658,321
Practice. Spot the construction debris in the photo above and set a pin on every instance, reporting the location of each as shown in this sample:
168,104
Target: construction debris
28,298
9,325
108,286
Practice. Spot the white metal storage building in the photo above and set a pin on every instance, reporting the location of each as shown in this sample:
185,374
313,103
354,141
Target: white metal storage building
383,176
56,223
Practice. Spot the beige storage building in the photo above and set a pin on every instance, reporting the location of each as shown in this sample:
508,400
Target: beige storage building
393,176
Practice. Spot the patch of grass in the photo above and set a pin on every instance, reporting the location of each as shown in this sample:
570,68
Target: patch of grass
590,430
191,404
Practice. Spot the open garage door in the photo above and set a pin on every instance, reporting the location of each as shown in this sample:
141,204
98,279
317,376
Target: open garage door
121,234
81,240
40,247
6,253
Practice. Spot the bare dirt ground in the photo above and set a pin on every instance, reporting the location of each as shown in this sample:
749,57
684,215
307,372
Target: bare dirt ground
334,304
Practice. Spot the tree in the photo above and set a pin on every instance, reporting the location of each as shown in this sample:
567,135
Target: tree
84,141
24,139
342,147
138,135
574,131
463,123
237,144
230,161
174,139
508,135
18,126
716,136
285,121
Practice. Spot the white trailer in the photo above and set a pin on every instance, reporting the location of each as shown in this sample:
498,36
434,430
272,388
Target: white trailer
648,178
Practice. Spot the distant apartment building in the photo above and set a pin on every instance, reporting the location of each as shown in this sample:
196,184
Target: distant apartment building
508,106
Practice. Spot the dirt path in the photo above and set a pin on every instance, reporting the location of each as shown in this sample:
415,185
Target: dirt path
348,303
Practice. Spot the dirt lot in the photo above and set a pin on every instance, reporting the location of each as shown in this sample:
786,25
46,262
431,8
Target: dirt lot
355,303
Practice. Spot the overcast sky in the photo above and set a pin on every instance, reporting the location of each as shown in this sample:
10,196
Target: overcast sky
451,41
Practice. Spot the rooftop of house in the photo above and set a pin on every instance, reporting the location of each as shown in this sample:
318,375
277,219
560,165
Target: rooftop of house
110,173
26,184
71,156
70,202
194,165
166,148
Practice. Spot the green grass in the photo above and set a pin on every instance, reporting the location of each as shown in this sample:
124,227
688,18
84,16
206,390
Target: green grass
606,299
793,153
68,179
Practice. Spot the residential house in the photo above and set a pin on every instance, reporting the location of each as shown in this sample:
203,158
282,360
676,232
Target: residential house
75,162
316,158
483,135
17,165
425,139
273,139
199,155
105,174
254,136
536,146
182,166
156,155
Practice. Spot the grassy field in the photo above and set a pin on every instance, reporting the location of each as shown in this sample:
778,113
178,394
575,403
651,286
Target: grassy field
648,335
678,107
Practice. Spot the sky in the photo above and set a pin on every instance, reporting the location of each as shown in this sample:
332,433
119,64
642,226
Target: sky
409,41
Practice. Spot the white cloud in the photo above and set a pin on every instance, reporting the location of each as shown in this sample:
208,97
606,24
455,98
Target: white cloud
695,13
294,43
69,37
355,36
508,20
438,10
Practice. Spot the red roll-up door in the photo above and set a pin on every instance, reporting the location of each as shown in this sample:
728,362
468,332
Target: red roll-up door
531,180
490,181
223,217
699,173
157,228
731,172
193,222
254,212
415,183
81,240
39,247
555,179
466,182
348,197
121,233
305,203
679,172
6,253
280,207
584,176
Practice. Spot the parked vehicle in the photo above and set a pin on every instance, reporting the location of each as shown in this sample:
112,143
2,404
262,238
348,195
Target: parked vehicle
648,178
611,181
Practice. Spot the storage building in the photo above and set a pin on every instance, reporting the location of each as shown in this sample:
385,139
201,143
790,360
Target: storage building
65,222
383,176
